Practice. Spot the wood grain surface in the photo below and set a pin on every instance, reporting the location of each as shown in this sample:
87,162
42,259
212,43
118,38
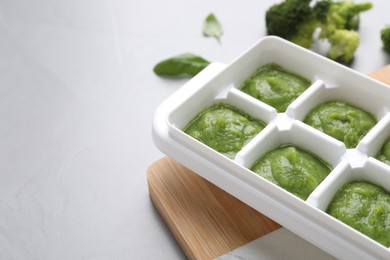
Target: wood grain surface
206,221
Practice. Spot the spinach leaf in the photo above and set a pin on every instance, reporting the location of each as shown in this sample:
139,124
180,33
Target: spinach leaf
212,27
182,65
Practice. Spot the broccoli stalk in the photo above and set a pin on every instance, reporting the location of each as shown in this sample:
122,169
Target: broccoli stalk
297,21
385,36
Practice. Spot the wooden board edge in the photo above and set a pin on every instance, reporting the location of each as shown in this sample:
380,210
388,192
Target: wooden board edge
165,214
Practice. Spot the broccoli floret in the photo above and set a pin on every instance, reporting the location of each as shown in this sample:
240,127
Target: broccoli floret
385,36
286,19
304,35
297,21
340,15
343,45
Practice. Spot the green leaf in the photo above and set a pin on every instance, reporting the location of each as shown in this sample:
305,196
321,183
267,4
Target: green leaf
212,27
182,65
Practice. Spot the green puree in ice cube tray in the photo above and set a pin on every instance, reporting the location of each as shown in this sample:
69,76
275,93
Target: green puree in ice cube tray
342,121
224,128
365,207
293,169
275,86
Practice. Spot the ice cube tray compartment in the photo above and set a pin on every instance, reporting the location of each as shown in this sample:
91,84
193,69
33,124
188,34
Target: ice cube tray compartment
295,133
330,81
369,172
178,119
360,96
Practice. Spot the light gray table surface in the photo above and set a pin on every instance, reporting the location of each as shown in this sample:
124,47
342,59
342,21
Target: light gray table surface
77,95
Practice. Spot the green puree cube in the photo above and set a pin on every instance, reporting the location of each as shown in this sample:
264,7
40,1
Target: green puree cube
364,207
293,169
275,86
224,128
342,121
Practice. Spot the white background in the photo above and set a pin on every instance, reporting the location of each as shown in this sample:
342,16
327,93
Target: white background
77,95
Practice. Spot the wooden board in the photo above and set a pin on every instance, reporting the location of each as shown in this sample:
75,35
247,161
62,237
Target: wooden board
382,75
206,221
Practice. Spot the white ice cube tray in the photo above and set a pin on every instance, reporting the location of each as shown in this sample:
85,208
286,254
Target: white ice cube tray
330,81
